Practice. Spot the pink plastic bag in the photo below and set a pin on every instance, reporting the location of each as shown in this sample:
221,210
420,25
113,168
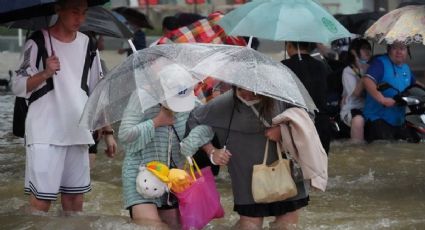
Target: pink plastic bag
200,203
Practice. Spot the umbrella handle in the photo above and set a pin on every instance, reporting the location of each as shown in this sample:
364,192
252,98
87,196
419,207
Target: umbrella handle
133,48
249,42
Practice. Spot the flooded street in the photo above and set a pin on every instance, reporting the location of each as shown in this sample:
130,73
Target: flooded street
377,186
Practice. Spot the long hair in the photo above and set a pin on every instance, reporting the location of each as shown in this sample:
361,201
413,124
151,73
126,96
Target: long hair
265,107
356,45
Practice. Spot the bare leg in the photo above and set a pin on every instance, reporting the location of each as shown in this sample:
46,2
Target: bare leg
357,128
92,158
171,218
288,221
72,202
249,223
39,205
147,215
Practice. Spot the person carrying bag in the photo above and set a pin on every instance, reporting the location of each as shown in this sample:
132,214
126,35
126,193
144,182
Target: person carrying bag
265,187
200,203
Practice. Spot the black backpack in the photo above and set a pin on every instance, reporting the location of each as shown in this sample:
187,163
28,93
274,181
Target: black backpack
21,104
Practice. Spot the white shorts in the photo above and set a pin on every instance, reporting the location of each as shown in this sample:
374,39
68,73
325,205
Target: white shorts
52,169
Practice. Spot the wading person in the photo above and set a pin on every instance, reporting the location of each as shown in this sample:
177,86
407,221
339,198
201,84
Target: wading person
231,118
57,159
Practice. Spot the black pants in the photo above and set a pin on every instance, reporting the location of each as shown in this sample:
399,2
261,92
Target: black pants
381,130
324,129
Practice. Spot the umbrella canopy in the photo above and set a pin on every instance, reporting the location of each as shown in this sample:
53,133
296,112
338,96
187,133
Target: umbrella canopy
134,16
143,73
406,25
289,20
202,31
103,21
358,23
98,19
24,9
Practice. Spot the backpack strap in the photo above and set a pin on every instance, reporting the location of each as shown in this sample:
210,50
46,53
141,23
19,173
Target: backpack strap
42,55
90,54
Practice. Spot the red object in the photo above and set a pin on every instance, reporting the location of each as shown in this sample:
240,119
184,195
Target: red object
202,31
150,2
239,1
195,1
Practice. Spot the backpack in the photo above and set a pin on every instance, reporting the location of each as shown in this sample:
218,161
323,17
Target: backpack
20,109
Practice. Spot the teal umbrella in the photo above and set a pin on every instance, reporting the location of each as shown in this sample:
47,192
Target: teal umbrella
284,20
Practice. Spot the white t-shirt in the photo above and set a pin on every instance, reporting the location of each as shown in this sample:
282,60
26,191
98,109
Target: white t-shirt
54,117
349,101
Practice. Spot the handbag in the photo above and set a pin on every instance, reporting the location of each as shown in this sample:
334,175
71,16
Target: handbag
200,203
273,182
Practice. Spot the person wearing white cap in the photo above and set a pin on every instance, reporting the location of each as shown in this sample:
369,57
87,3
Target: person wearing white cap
154,135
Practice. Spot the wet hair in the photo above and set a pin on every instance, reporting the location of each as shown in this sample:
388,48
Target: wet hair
308,46
389,46
170,23
356,45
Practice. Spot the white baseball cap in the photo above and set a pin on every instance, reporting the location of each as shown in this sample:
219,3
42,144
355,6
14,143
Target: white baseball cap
177,85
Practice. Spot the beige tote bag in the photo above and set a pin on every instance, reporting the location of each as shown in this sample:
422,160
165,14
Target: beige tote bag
273,182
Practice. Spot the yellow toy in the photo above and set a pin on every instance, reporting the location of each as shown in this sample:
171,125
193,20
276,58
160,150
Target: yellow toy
159,169
179,180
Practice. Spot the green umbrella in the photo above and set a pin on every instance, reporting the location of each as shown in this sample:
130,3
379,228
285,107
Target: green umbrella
284,20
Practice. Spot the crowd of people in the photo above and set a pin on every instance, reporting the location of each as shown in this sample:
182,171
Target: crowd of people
367,112
58,154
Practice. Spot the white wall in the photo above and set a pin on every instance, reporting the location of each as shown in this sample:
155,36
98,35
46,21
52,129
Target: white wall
347,6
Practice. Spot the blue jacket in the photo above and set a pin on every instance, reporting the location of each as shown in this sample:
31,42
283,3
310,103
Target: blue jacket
381,70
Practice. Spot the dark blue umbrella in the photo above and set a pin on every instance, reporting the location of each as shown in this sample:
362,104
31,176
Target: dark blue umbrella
13,10
98,20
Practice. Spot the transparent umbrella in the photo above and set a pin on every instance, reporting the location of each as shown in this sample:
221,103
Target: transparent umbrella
185,65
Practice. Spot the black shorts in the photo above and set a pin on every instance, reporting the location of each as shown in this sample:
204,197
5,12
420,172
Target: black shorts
355,112
270,209
381,130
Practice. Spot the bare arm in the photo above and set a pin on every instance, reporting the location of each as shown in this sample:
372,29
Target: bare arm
111,145
52,64
371,88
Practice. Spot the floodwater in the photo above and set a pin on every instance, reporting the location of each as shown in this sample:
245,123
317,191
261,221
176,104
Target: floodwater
376,186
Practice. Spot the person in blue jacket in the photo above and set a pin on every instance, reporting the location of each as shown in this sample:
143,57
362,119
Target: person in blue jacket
384,118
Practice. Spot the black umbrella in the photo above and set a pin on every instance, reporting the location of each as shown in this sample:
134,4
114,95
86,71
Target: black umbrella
28,9
13,10
360,22
185,19
134,16
98,20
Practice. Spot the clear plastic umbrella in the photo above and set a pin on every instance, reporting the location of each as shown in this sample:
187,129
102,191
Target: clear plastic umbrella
160,72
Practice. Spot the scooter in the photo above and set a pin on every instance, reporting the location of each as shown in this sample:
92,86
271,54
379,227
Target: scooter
413,98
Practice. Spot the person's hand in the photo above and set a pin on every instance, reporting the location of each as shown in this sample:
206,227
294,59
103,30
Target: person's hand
388,102
165,117
274,133
52,65
189,160
111,145
220,156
